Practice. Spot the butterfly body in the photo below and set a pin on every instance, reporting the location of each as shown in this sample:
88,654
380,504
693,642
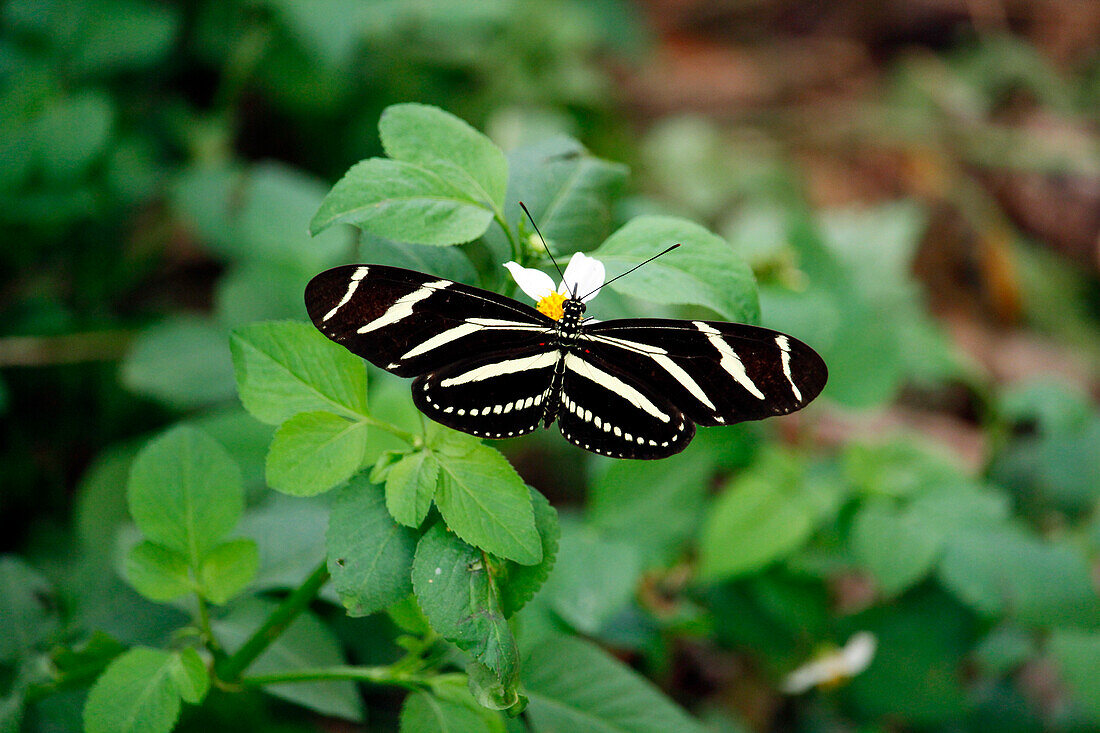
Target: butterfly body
496,368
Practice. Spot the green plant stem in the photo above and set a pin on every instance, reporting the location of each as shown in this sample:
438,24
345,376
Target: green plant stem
230,670
517,250
204,627
412,439
373,675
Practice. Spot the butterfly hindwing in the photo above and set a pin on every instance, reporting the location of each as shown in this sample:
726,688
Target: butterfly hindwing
499,395
717,373
411,323
609,411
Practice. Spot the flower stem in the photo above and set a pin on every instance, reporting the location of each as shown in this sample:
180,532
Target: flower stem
230,669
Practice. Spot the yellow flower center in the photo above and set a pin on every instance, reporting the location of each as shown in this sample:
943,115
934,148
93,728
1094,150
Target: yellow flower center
550,306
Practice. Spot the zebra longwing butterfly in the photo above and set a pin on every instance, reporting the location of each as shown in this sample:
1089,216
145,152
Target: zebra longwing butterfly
496,368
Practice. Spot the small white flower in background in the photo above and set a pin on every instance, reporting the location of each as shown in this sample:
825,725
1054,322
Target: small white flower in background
583,277
834,666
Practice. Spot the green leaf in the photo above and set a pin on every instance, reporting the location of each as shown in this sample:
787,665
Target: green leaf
185,492
284,368
313,452
898,548
762,516
426,713
662,501
483,499
521,582
488,691
190,675
1004,571
181,362
402,201
28,613
137,693
567,190
158,573
704,271
428,136
72,133
227,569
369,555
121,34
446,262
410,486
290,534
573,685
460,598
593,579
306,643
1078,656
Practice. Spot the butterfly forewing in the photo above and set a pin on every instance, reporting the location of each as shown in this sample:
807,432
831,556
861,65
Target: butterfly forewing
410,323
717,373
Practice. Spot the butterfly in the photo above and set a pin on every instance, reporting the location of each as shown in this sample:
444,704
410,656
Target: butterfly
497,368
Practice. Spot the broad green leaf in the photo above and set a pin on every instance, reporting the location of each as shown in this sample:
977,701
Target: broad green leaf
410,486
313,452
136,694
661,501
190,675
290,534
521,582
573,685
567,190
227,569
426,713
28,614
460,598
182,362
446,262
487,689
428,136
704,271
123,34
897,547
369,555
185,492
158,573
483,499
900,467
402,201
1004,571
259,291
1078,656
762,516
306,643
246,438
284,368
72,133
593,578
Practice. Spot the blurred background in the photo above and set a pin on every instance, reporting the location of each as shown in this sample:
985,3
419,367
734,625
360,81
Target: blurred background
915,182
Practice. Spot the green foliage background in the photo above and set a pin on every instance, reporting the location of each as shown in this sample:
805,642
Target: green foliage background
214,518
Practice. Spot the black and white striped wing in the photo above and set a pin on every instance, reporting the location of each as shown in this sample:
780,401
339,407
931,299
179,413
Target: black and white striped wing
410,323
609,410
716,373
498,395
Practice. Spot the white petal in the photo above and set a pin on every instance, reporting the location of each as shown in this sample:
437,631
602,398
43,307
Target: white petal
583,277
859,651
536,283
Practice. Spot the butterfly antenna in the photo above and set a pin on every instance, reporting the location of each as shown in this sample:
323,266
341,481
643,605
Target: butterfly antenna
632,269
544,244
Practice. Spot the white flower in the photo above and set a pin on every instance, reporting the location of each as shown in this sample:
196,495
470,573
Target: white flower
583,278
834,666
